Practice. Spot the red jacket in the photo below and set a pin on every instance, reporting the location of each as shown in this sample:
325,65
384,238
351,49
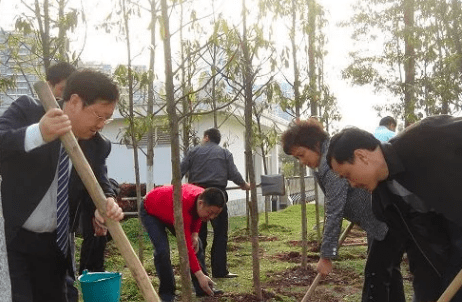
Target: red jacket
159,203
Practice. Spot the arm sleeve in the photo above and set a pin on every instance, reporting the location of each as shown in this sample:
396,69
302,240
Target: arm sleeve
185,164
14,122
33,138
194,263
336,195
101,171
196,227
233,173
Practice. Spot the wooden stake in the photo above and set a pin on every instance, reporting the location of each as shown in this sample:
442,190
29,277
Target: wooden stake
85,172
319,276
451,289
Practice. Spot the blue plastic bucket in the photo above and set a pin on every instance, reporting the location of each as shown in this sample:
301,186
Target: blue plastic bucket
100,287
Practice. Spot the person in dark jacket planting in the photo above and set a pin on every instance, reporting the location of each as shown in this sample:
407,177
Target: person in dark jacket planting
415,180
308,142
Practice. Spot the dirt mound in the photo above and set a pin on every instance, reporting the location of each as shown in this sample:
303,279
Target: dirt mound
243,297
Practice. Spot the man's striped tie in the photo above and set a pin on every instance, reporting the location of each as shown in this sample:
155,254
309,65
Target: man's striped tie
62,216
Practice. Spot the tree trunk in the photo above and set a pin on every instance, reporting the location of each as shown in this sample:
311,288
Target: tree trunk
44,29
249,161
298,107
132,124
409,62
214,84
175,154
185,102
150,109
312,77
62,49
264,163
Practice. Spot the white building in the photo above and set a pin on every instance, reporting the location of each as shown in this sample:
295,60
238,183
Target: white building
121,159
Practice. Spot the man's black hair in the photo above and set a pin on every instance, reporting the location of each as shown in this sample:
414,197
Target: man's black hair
344,143
59,72
387,120
213,134
213,197
91,85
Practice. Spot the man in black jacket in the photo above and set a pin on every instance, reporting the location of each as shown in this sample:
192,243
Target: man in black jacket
416,184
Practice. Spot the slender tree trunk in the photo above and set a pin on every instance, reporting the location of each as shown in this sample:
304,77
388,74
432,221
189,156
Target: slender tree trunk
297,97
312,77
444,96
264,162
44,29
249,160
409,62
150,109
214,84
175,154
456,34
185,99
62,41
315,96
132,123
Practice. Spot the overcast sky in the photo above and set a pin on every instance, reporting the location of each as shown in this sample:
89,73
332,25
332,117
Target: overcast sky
355,103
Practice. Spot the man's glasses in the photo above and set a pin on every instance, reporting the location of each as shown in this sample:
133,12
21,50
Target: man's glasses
102,119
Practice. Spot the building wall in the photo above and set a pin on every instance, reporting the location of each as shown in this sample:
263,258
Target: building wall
121,163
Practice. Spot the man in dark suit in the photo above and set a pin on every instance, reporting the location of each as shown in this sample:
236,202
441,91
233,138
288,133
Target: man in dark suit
29,152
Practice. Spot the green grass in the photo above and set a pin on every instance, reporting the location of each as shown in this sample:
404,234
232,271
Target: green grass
284,227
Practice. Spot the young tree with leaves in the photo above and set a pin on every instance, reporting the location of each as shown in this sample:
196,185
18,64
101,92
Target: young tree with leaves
39,39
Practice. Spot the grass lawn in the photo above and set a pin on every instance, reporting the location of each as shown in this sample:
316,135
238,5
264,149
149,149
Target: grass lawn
279,250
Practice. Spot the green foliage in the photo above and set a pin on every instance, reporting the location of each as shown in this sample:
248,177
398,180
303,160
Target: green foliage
436,40
288,167
7,83
37,41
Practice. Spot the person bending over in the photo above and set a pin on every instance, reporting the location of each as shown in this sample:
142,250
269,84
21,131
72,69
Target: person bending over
308,142
415,180
157,215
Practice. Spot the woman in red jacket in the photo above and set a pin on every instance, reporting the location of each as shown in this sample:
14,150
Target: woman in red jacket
157,214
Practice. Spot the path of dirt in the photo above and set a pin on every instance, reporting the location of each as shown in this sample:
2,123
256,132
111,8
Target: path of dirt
331,289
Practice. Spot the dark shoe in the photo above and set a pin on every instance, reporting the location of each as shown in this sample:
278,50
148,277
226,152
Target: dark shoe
216,292
168,298
229,275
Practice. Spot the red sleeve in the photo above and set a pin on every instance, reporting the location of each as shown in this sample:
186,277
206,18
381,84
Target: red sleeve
194,263
196,226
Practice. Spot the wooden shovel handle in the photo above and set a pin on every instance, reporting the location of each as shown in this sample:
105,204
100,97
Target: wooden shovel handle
88,178
319,276
451,289
312,288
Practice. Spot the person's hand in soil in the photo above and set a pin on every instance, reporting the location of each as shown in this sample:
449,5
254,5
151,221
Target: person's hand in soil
324,266
205,282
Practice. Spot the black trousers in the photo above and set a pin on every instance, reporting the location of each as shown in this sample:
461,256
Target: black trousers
93,247
157,231
37,268
219,267
383,279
